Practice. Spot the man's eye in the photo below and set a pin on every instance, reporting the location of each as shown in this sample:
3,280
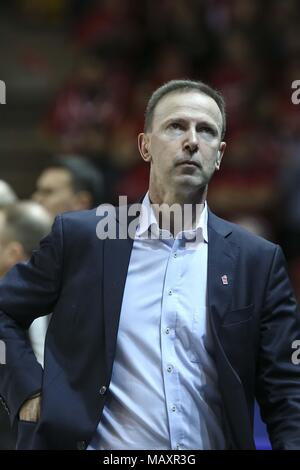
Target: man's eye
175,125
208,130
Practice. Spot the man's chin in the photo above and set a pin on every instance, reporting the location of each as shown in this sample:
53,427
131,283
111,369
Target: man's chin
190,180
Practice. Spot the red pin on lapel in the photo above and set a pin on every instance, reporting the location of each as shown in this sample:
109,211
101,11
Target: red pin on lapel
224,280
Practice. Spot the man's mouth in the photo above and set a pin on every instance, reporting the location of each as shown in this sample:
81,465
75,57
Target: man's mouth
188,162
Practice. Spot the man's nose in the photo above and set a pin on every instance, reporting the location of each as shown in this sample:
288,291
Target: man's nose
191,143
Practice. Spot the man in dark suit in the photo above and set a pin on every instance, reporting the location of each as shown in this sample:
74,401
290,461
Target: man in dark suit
160,339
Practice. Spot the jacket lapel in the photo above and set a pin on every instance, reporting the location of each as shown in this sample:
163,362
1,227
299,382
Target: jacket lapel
221,280
221,266
116,259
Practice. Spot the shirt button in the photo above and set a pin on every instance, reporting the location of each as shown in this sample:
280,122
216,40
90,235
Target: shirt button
173,408
175,255
102,390
177,446
170,369
170,292
167,331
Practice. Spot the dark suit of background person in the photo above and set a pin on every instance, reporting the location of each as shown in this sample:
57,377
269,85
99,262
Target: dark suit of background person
80,278
22,225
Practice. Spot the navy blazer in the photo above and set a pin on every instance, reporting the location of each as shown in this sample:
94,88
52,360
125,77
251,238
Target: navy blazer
80,278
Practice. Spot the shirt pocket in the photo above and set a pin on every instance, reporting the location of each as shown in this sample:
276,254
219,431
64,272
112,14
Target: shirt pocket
238,316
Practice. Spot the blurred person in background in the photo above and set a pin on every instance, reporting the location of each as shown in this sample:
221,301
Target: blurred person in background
69,183
199,345
7,194
22,226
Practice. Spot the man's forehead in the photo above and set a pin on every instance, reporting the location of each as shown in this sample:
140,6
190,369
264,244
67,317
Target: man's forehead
185,102
55,175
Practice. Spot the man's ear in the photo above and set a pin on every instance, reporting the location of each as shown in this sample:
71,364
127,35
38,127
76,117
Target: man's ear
220,155
143,145
82,200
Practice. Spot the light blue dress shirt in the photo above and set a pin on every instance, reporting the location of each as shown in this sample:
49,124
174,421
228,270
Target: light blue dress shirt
164,391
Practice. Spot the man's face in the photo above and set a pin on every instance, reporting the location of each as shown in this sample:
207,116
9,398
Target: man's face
54,191
184,147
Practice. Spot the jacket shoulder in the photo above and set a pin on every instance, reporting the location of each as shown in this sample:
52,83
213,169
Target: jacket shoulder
78,224
239,235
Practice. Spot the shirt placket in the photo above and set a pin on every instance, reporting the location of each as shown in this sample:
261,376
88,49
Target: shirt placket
168,336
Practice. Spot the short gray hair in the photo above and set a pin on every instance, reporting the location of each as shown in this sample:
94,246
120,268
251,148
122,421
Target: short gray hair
27,223
183,86
7,194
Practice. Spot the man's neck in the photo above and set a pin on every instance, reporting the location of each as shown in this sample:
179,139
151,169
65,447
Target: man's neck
177,212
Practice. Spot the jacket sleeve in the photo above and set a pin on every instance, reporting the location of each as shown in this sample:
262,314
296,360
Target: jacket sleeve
28,291
278,377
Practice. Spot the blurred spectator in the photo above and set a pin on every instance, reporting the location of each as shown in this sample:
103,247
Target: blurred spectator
7,194
70,183
22,225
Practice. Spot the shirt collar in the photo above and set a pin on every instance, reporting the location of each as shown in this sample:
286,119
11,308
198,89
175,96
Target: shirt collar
147,219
